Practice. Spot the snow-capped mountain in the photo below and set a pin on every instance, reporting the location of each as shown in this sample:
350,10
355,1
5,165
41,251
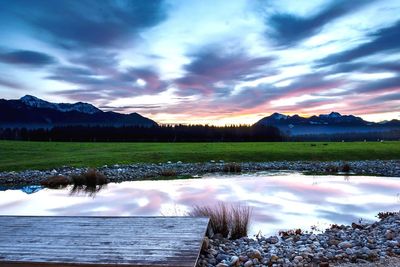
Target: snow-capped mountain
334,118
331,115
333,122
63,107
278,116
33,112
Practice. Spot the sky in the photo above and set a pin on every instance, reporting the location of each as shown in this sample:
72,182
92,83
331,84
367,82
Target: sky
206,61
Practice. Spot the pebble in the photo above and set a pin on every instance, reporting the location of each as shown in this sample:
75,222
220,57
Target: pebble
345,244
368,242
254,254
248,263
234,261
389,234
131,172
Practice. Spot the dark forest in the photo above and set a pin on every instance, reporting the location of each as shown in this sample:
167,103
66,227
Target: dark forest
177,133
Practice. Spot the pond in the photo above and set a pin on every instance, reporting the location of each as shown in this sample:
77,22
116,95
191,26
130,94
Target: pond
280,201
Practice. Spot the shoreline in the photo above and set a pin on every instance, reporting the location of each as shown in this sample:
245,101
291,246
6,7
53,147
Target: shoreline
145,171
358,244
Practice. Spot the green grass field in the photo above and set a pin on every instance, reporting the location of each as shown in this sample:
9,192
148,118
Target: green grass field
15,155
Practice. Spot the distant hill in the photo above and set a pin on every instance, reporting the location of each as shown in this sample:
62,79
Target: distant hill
32,112
332,123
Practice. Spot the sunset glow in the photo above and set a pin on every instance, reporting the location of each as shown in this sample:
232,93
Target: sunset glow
206,62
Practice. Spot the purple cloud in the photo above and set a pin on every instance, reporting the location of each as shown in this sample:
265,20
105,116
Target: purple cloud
212,69
27,58
289,29
88,23
381,41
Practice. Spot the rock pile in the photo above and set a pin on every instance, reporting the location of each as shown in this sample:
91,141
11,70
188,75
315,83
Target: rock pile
358,243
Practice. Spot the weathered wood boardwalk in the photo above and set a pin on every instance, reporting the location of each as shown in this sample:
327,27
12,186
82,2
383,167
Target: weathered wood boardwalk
100,241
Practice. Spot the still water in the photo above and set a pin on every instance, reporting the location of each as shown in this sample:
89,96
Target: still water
283,200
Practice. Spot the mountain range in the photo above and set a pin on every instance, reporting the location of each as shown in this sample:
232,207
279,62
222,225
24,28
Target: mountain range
325,124
32,112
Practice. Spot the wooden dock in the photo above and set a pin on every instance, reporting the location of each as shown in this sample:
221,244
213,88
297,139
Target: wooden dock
100,241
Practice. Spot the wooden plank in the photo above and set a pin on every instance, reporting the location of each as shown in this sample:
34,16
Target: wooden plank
100,241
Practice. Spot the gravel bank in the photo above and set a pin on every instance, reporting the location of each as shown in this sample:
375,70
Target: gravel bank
361,244
119,173
391,262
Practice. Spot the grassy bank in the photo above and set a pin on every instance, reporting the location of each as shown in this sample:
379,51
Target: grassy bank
16,155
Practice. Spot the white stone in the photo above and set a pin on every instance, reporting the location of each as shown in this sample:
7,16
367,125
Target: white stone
234,261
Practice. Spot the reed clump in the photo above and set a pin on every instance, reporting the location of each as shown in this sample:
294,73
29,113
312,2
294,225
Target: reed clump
230,221
232,167
240,221
92,177
346,167
168,173
290,233
386,214
57,181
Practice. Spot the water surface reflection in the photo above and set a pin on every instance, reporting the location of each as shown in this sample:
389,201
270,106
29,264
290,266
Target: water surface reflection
280,201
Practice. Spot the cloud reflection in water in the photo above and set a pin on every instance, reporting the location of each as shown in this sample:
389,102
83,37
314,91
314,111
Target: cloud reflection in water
280,201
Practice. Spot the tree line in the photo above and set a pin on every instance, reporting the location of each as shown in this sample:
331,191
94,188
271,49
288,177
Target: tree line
350,136
168,133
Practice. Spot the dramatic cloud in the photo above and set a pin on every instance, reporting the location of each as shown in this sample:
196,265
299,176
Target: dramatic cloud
10,84
131,107
382,41
379,85
205,61
381,101
252,98
388,97
26,57
127,83
366,67
310,83
88,23
289,29
213,68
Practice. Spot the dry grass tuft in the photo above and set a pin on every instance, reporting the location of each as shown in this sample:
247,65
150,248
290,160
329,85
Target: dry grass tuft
240,221
228,220
232,167
168,173
346,168
218,215
90,178
336,227
90,182
290,233
58,181
386,214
